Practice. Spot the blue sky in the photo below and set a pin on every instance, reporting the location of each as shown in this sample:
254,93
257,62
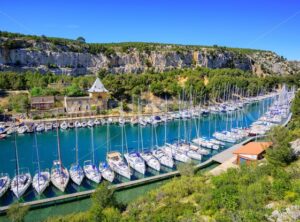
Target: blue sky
262,24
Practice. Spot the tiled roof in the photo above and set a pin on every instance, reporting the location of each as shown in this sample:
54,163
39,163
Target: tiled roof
253,148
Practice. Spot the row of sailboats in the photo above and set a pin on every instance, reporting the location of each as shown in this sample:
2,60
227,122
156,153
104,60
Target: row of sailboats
155,158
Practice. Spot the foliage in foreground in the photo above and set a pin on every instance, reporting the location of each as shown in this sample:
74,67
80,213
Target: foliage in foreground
16,213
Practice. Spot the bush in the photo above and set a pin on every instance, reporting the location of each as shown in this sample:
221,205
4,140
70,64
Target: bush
17,213
280,153
19,103
74,90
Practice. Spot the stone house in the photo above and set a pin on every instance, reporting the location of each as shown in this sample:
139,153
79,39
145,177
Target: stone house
77,104
97,99
42,102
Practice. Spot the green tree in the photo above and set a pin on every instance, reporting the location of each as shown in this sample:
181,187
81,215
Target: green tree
74,90
296,105
111,214
281,152
80,39
17,213
1,110
19,103
103,197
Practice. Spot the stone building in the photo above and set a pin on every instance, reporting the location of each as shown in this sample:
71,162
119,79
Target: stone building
97,100
42,102
98,95
77,104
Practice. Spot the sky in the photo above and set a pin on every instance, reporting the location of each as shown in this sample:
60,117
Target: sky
260,24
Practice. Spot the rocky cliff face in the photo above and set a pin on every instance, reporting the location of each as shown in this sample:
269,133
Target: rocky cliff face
43,56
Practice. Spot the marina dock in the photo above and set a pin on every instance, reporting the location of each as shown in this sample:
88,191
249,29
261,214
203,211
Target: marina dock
219,158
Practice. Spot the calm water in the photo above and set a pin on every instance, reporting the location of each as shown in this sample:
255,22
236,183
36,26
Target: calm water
47,143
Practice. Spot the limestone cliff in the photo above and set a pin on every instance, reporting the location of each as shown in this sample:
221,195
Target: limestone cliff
73,58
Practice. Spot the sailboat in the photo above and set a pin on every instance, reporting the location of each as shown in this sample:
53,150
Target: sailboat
107,173
59,175
116,162
76,171
22,180
90,169
147,156
173,151
4,183
133,159
41,179
160,154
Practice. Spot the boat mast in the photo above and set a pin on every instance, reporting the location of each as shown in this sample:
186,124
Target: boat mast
17,159
58,145
166,114
140,129
107,137
76,148
92,144
178,136
37,151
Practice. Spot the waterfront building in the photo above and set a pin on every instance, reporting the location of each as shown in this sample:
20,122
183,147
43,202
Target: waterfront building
77,104
98,95
42,102
251,152
97,100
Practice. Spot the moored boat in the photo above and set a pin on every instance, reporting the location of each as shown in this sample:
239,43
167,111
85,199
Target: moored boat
4,184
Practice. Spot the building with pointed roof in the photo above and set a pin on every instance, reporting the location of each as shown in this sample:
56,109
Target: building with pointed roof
96,101
98,87
98,95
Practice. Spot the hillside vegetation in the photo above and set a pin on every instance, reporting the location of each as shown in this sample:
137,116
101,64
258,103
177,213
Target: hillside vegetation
200,85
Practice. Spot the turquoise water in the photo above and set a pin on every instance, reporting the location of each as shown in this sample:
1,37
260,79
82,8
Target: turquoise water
48,145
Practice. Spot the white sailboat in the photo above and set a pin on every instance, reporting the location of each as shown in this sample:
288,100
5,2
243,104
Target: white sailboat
163,158
64,125
135,162
160,155
150,160
40,127
106,172
147,156
22,180
117,164
90,169
76,171
4,184
176,153
59,175
90,123
173,151
48,126
133,159
185,147
41,179
77,124
22,129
